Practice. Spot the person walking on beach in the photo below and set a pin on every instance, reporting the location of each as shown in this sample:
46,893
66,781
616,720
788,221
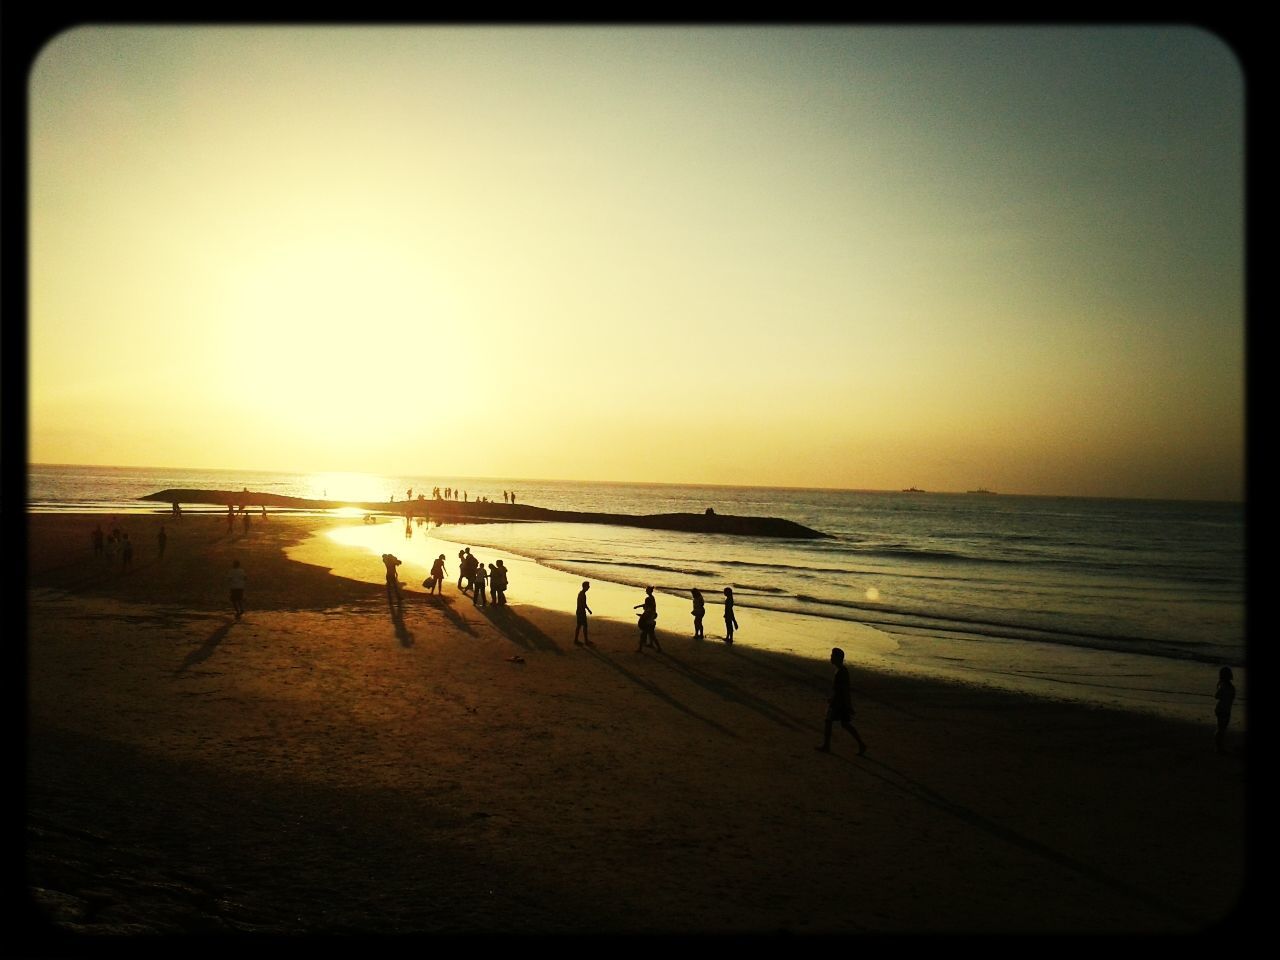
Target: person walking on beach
236,580
498,584
99,539
162,539
699,608
648,621
391,562
478,577
1226,696
730,621
840,705
438,574
583,610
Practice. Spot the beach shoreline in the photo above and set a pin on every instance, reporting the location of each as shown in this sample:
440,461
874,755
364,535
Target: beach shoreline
322,766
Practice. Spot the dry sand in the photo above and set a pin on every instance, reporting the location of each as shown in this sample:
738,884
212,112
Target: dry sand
318,767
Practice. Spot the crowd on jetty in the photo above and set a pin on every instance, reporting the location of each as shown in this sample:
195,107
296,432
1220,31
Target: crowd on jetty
441,494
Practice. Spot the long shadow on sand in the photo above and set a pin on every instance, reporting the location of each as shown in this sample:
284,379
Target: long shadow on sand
205,650
658,692
445,606
735,694
519,630
794,668
918,791
396,609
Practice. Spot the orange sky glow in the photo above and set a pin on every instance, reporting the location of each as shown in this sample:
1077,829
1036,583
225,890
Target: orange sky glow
845,257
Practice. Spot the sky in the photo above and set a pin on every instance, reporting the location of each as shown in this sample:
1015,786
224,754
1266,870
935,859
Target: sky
826,256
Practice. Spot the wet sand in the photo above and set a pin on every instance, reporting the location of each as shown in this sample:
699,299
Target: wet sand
323,767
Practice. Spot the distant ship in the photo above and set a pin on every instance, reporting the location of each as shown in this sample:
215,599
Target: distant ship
984,490
912,490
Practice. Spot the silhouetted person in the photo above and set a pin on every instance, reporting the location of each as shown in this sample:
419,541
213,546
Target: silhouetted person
699,608
177,510
244,521
498,584
391,562
99,539
162,539
840,705
236,581
1226,696
438,573
513,498
478,578
730,621
231,518
466,570
583,610
648,621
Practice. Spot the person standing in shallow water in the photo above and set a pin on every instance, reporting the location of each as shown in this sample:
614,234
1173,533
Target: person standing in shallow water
840,705
730,621
582,612
236,580
1226,696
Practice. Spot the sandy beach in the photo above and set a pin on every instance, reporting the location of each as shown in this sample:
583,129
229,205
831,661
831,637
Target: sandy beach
323,767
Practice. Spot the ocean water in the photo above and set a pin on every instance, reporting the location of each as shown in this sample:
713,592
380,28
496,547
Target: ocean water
1109,601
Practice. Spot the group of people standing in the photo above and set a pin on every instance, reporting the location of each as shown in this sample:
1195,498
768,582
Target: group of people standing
648,618
648,621
839,704
116,545
451,493
474,577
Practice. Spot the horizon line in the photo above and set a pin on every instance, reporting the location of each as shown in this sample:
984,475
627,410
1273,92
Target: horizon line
668,483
